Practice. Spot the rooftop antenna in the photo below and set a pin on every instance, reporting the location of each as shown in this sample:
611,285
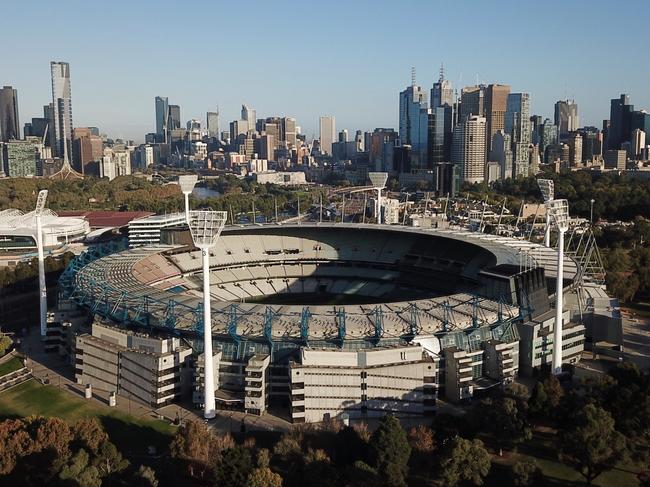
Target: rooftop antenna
412,75
38,213
442,72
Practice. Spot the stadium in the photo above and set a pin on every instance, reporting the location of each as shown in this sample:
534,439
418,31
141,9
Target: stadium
442,308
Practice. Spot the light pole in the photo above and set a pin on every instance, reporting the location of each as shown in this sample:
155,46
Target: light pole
378,181
38,213
559,212
547,187
591,211
187,183
205,227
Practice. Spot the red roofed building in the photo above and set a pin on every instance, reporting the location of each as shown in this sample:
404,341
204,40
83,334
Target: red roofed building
107,219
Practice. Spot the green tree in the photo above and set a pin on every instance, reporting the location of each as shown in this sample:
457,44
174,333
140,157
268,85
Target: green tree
465,461
109,461
233,468
88,434
79,472
526,473
264,477
390,452
145,477
538,399
592,445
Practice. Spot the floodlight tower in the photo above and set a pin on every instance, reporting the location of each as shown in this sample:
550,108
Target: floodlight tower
559,213
42,288
205,227
547,187
187,183
378,181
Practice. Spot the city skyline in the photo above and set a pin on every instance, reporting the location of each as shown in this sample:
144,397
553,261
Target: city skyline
361,92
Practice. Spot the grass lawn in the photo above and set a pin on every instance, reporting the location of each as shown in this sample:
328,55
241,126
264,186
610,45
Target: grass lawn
132,435
10,366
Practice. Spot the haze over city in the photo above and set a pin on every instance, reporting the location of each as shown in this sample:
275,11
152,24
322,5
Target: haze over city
312,58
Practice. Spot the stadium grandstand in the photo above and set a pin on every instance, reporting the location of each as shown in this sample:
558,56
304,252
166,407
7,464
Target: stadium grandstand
326,319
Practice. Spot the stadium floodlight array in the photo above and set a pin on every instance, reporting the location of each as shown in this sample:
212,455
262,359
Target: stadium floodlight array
38,214
558,211
547,187
205,227
378,181
187,183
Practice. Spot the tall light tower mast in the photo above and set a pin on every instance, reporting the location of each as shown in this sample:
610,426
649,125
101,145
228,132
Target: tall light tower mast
187,183
547,187
205,227
559,213
38,213
378,181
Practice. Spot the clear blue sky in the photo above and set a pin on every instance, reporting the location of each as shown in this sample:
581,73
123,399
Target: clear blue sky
309,58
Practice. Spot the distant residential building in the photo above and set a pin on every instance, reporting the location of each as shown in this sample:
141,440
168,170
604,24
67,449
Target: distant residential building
327,131
212,119
9,121
575,149
566,117
517,124
502,153
620,122
468,149
87,151
22,157
61,109
115,162
258,165
615,159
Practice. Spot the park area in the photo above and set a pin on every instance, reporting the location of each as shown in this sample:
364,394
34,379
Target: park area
132,435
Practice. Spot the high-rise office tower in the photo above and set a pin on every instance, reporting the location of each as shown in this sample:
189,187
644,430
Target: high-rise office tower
87,151
496,100
212,119
288,125
61,110
620,122
162,115
9,123
536,122
468,149
575,149
327,131
472,102
548,134
638,143
517,124
641,121
174,118
250,115
442,92
414,122
566,117
440,134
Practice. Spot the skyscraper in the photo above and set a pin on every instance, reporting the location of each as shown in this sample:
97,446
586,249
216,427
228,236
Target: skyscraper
162,114
174,118
61,109
620,122
472,102
566,117
414,123
327,126
517,125
496,100
250,115
9,123
502,153
442,92
468,149
212,119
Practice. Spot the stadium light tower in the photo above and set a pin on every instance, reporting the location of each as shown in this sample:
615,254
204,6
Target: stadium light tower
205,227
187,183
38,213
378,181
559,213
547,187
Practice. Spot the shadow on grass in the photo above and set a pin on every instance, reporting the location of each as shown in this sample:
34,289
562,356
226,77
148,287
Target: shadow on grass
134,439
